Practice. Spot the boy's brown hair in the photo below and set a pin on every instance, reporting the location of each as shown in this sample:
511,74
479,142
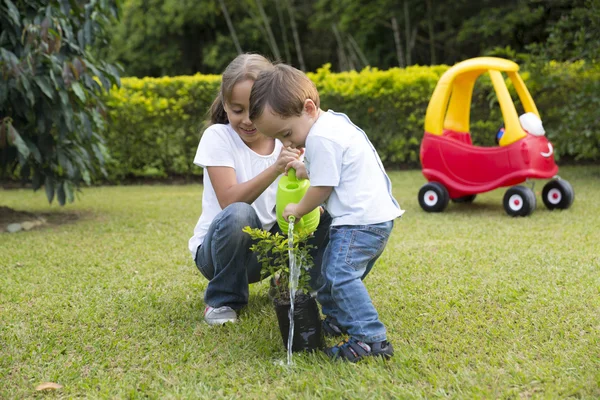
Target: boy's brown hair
285,89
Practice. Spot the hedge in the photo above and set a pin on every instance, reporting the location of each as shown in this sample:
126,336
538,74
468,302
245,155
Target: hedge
155,123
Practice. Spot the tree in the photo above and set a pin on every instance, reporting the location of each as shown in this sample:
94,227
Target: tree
51,112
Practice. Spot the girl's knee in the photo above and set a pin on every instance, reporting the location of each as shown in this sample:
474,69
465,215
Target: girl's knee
239,215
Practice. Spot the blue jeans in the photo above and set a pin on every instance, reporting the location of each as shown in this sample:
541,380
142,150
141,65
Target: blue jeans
349,257
225,259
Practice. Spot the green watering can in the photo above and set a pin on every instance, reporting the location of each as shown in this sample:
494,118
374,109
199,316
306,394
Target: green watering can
291,190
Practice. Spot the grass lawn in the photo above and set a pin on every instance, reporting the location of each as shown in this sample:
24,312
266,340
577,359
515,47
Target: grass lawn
477,304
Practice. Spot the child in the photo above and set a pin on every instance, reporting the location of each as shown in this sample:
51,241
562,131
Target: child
347,174
241,171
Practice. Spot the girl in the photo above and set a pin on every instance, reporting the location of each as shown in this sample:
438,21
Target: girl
241,172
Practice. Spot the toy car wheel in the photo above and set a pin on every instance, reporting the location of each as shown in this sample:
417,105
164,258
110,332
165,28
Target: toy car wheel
558,194
433,197
465,199
519,201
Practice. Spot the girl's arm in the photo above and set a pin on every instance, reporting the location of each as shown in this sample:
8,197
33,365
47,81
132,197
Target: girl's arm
229,190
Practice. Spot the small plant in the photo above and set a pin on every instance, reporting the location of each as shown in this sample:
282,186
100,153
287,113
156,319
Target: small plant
272,252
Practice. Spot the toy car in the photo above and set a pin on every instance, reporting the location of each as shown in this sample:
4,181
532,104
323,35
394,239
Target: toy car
457,170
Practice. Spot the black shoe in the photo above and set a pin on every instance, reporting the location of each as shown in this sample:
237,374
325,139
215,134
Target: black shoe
355,350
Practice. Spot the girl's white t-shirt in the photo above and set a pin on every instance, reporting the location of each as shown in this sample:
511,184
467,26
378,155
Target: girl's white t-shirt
221,146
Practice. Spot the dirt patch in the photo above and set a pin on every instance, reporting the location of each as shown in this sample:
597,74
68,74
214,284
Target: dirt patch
10,218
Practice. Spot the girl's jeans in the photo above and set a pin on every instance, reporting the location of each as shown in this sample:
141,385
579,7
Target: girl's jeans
348,258
225,259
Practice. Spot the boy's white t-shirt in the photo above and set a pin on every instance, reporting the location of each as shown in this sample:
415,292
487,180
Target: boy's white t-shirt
221,146
339,154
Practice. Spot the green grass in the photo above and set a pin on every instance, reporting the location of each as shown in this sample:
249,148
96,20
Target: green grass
477,304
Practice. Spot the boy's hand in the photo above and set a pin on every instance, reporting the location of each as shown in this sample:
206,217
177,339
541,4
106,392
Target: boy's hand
299,167
286,156
290,209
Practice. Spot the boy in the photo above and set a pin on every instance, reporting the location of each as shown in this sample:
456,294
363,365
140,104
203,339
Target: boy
347,175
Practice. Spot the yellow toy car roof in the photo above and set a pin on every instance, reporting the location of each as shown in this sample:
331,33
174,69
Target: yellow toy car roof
450,104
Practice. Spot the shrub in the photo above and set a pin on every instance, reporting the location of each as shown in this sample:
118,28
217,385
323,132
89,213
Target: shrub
272,252
156,123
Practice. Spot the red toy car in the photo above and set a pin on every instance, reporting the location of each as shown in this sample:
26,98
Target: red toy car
458,170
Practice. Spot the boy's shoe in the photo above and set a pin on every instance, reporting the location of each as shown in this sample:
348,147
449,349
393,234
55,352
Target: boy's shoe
219,315
355,350
331,327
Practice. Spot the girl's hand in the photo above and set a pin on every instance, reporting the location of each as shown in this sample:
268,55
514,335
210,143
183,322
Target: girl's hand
290,210
286,156
299,167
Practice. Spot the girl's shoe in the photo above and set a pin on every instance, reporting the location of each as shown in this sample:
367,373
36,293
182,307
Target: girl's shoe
331,327
355,350
220,315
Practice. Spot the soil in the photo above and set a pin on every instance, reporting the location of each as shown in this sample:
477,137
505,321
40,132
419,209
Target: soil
10,216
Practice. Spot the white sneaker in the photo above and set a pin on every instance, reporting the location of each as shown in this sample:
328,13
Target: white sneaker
220,315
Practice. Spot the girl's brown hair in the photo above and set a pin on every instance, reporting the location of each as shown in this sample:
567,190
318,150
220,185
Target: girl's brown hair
243,67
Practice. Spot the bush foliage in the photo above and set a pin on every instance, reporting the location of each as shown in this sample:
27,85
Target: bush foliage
156,122
51,91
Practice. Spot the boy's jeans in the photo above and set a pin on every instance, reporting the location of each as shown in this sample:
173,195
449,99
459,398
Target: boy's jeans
225,259
348,258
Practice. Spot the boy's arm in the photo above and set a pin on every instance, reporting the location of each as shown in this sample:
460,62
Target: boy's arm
314,197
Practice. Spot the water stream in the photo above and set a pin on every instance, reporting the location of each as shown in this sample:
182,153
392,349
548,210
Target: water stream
294,277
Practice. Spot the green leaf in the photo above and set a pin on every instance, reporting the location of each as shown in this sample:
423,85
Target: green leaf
98,153
28,92
65,7
69,192
13,12
43,84
60,193
85,174
76,86
87,125
16,140
3,92
37,180
49,186
64,98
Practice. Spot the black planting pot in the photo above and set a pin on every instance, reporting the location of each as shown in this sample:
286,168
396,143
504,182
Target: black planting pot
308,334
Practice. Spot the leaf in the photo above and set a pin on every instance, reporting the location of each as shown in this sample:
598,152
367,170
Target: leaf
45,86
27,87
17,141
13,12
48,386
76,86
87,125
69,192
37,180
85,174
3,92
98,153
65,7
3,130
49,186
87,31
60,194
